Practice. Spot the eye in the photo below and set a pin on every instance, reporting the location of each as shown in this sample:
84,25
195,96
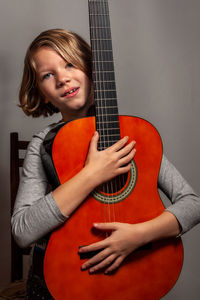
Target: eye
46,76
69,65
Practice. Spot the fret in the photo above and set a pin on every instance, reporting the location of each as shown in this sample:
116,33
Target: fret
104,55
99,14
107,85
101,148
93,50
107,118
100,33
112,130
100,39
106,125
105,94
107,122
106,138
108,141
105,72
101,90
105,91
108,106
103,61
103,67
99,1
98,21
102,27
104,76
108,99
98,7
106,103
106,111
101,45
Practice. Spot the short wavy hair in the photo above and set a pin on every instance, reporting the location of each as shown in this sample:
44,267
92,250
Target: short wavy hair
72,48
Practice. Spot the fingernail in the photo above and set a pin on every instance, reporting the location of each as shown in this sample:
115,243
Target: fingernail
83,267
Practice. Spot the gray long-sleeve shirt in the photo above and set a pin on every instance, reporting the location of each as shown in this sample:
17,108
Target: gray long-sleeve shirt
36,212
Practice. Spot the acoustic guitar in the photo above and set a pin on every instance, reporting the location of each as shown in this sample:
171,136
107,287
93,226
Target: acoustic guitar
151,271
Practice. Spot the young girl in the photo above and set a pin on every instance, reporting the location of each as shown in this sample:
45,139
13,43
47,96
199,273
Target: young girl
58,78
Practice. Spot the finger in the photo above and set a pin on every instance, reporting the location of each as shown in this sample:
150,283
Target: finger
95,246
96,259
106,226
115,265
127,149
94,141
126,159
123,170
106,262
120,144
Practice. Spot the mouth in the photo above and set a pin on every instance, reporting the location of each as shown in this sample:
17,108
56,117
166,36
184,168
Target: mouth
70,92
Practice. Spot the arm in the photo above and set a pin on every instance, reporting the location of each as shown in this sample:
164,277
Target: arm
185,202
182,215
100,166
37,212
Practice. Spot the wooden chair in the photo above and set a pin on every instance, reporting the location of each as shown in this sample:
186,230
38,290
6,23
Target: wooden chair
16,162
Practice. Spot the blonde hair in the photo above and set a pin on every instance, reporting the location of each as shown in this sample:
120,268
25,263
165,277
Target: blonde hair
71,47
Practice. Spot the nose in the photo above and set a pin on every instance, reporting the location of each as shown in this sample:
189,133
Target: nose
62,78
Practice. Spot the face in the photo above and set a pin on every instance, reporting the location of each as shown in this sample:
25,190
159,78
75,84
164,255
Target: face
66,87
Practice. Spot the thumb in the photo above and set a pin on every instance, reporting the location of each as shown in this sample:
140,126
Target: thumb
94,141
106,226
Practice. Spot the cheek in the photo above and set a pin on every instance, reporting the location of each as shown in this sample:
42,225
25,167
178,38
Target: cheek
45,90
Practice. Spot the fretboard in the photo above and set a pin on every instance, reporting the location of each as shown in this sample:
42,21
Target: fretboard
105,96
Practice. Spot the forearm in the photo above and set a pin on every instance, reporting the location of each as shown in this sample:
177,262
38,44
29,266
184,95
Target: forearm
31,222
163,226
73,192
100,166
185,202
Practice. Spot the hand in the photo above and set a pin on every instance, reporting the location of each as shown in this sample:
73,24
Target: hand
111,162
124,239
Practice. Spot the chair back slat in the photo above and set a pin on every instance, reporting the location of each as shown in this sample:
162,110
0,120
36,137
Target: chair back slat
16,162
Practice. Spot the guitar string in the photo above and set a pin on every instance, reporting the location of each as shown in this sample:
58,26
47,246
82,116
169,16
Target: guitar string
105,26
101,16
104,137
107,34
119,181
103,99
98,80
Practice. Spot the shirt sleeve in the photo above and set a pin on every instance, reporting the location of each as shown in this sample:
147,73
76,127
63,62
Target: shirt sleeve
185,202
35,212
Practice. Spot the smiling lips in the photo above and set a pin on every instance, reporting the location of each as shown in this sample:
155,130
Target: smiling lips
70,92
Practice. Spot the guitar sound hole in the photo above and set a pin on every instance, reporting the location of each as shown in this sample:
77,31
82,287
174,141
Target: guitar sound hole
114,185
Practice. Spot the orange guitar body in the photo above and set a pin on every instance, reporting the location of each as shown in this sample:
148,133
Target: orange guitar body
147,274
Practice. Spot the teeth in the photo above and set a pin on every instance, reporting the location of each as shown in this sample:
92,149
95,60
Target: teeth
72,91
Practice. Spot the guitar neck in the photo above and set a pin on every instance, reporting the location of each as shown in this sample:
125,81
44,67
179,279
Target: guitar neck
105,95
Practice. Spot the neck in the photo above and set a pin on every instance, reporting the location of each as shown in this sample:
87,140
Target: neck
73,115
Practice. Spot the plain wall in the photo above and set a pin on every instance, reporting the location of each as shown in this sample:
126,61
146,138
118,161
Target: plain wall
156,48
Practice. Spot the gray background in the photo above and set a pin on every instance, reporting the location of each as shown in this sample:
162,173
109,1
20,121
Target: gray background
157,60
